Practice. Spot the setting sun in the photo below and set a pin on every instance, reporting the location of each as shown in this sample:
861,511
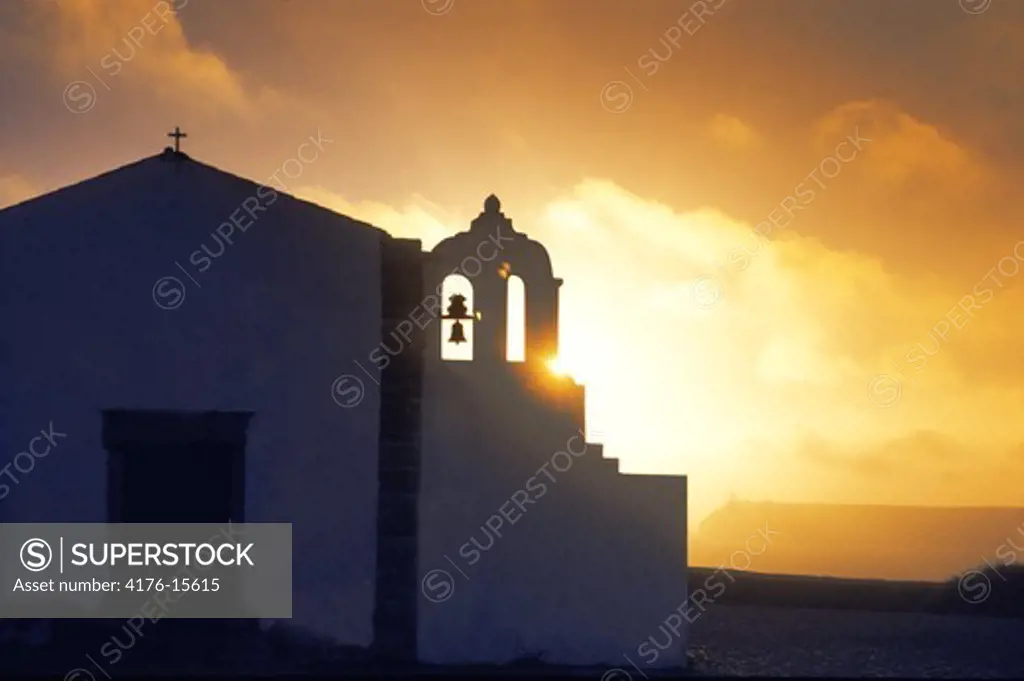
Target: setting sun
557,367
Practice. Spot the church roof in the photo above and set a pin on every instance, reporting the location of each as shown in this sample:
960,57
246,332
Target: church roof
167,174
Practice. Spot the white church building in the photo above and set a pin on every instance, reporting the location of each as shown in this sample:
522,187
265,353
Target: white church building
214,349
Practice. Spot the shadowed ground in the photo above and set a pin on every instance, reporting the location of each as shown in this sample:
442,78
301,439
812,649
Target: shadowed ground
737,640
776,625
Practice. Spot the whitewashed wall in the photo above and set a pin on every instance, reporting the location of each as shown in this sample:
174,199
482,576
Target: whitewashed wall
583,575
281,313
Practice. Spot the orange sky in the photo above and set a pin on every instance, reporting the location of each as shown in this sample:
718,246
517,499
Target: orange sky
638,188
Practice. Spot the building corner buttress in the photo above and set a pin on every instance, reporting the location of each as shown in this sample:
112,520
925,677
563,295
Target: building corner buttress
396,594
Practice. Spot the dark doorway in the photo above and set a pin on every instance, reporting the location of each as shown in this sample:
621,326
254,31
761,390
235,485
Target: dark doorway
180,467
175,467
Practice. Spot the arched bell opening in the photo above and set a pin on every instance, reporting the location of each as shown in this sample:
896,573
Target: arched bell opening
515,342
457,319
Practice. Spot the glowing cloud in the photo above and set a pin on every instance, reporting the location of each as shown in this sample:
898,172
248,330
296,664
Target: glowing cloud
732,132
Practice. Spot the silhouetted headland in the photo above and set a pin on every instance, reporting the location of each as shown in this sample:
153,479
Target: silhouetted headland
862,541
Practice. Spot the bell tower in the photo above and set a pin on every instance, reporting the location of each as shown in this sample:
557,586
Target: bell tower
489,422
471,271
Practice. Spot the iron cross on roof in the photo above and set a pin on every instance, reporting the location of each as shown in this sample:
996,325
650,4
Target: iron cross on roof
177,135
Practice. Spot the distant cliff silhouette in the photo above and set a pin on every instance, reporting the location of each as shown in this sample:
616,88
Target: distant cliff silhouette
862,542
982,591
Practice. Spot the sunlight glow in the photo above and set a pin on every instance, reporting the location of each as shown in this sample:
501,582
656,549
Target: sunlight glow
557,367
515,339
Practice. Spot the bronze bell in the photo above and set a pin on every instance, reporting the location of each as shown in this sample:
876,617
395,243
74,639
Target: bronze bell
458,334
457,308
457,311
